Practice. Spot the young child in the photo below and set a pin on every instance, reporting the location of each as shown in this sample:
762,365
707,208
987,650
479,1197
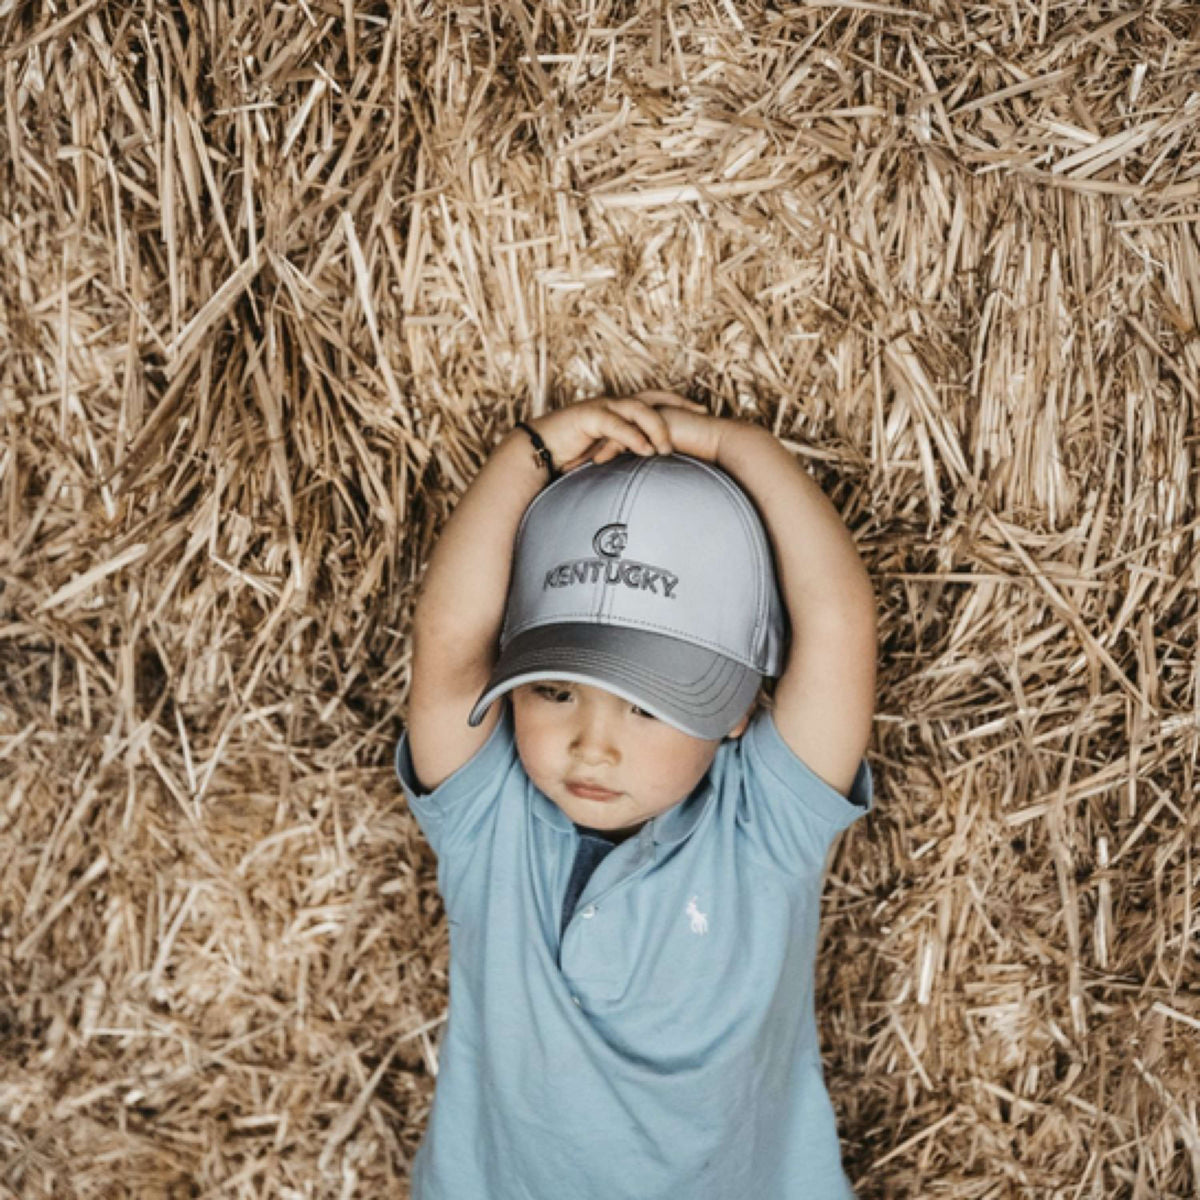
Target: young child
631,858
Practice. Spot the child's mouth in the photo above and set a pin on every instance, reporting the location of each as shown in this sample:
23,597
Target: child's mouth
587,792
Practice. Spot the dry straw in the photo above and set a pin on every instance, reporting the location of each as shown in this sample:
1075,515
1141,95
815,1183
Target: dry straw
275,277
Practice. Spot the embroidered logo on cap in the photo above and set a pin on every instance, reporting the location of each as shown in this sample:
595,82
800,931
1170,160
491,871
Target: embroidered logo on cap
610,542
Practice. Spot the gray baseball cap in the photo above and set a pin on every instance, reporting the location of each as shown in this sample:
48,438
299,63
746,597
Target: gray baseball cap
651,578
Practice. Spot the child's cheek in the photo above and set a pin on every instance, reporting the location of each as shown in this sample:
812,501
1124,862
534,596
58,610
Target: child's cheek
670,772
679,769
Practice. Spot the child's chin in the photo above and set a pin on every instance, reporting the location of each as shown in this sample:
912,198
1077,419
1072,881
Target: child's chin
595,814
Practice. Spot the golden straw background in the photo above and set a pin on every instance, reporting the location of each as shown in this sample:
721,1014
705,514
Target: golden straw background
276,276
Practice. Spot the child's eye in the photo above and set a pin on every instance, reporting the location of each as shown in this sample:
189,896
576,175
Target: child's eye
548,691
641,712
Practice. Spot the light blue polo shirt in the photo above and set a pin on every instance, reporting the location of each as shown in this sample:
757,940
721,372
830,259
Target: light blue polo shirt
667,1048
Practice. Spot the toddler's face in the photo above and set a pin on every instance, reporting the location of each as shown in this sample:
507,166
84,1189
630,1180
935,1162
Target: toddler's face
603,761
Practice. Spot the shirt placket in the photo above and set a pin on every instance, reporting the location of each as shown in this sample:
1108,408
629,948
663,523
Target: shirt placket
575,949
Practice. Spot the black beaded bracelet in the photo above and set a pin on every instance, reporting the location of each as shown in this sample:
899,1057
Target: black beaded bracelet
540,453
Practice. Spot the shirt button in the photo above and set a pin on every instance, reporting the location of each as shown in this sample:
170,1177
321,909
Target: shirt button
588,913
575,1001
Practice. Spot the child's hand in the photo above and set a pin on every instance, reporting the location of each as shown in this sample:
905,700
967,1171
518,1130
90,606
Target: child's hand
599,430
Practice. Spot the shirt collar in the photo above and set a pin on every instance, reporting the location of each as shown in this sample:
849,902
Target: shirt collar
671,827
546,810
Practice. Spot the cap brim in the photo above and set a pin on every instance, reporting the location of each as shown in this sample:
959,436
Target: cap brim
702,693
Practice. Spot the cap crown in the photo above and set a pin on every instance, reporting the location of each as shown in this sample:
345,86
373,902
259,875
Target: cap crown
667,544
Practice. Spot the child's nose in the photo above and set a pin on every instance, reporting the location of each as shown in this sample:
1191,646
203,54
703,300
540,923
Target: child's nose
593,740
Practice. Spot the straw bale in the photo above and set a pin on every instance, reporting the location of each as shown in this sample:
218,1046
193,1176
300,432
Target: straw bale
275,278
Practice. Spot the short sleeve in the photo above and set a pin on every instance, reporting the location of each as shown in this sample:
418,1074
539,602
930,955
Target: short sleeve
789,813
456,807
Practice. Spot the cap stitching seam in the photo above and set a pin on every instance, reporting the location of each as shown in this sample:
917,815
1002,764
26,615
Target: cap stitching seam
625,502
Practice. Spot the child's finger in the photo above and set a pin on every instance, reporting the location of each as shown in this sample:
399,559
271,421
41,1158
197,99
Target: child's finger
601,450
649,422
617,427
607,452
577,461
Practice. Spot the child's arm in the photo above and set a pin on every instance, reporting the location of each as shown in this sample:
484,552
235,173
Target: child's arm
460,610
825,699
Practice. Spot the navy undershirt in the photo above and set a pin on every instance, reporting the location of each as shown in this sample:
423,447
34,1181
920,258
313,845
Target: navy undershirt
594,846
